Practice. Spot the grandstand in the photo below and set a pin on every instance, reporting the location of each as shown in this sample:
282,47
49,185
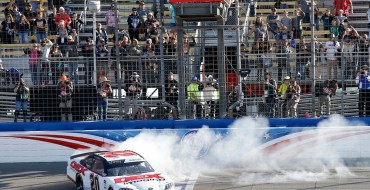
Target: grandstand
202,60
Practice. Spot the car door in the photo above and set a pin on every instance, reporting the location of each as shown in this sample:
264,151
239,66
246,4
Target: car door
93,175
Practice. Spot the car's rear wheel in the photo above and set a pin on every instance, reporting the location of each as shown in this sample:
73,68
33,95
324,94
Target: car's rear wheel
79,183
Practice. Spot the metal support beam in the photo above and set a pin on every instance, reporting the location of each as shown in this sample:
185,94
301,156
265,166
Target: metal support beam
221,68
181,70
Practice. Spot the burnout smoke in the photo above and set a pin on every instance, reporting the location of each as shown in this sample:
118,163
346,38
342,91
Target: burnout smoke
242,149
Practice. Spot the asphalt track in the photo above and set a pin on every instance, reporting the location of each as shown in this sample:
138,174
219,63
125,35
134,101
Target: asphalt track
51,176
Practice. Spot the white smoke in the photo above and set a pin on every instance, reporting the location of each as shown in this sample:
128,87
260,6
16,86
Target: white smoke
237,152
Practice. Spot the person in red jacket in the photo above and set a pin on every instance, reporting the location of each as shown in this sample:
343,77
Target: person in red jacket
63,16
345,5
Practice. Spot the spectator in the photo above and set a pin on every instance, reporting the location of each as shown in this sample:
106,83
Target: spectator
34,61
363,81
341,20
62,36
72,54
325,92
172,94
151,27
142,11
63,16
9,7
75,36
16,15
297,23
34,4
345,5
88,53
135,49
282,92
259,30
317,18
303,59
211,96
293,97
272,20
133,92
173,16
349,40
151,67
101,49
331,47
45,48
65,87
158,8
52,25
111,18
7,30
31,16
283,55
101,34
270,89
194,106
261,48
21,99
104,90
40,9
327,19
41,26
334,28
364,50
123,48
286,21
134,24
57,67
305,8
23,28
76,23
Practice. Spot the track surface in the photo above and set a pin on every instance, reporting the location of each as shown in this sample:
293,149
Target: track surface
51,176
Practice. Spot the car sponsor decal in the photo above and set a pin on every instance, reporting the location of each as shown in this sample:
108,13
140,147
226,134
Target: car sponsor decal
117,154
78,167
137,177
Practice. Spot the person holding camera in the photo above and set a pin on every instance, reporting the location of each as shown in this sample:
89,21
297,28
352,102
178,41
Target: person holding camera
104,90
325,91
363,81
211,96
66,89
172,94
270,89
133,92
21,99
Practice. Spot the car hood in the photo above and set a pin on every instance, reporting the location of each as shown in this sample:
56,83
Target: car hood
149,181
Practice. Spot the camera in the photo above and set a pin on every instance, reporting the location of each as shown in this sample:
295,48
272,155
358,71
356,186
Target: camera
67,82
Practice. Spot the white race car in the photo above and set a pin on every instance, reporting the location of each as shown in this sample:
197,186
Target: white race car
117,170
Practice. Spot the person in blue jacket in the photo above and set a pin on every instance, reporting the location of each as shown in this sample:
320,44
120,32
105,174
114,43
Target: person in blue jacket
363,79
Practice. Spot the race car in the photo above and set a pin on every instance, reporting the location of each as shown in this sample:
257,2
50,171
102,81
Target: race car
115,170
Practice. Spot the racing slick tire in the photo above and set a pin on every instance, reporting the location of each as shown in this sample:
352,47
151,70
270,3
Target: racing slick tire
79,183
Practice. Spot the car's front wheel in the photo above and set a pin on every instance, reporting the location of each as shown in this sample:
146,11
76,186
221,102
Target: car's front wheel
79,183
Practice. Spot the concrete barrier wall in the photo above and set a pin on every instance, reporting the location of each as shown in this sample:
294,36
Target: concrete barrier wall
46,142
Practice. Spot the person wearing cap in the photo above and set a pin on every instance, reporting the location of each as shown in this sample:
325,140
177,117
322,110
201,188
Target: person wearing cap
270,93
194,106
63,16
21,99
133,88
282,92
111,18
134,24
143,11
104,90
331,47
363,82
65,87
72,54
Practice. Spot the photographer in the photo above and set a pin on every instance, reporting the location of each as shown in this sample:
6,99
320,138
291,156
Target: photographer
104,90
270,95
325,91
211,96
363,81
21,99
66,89
133,92
172,94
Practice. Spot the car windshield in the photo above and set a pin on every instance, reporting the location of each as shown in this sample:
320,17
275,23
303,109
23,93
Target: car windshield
120,168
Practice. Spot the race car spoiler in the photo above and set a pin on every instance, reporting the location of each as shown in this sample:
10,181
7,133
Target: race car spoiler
86,154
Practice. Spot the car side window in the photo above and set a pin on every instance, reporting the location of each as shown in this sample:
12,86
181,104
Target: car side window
88,163
98,167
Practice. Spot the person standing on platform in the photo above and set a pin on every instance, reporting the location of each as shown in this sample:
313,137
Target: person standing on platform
363,81
21,99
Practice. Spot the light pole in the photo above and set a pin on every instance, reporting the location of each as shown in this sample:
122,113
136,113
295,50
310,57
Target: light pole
94,7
